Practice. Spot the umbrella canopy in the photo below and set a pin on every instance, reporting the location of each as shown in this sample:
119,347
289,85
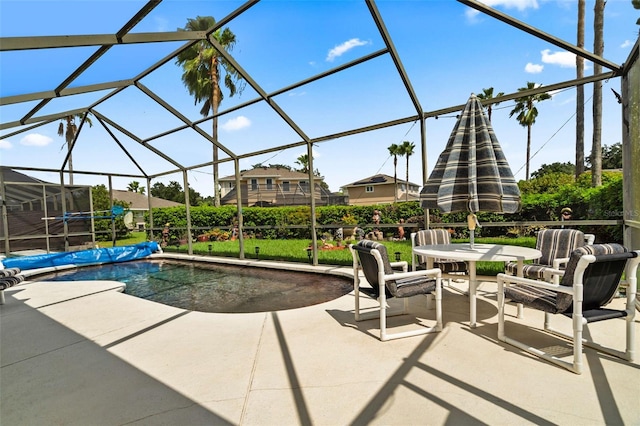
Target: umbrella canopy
472,173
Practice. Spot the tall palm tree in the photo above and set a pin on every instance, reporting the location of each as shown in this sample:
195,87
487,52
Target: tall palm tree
598,49
407,148
68,129
527,113
487,95
203,68
580,93
395,150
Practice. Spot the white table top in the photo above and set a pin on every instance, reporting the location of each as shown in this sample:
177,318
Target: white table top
485,252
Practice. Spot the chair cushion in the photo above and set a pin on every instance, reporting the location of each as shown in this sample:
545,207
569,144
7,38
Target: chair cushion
8,272
529,270
370,265
413,286
432,236
447,266
558,244
10,281
534,297
438,236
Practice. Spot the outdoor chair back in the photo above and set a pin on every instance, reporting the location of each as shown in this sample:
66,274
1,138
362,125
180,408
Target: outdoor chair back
556,246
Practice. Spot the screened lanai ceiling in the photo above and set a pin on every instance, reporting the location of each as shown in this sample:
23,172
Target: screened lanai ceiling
341,80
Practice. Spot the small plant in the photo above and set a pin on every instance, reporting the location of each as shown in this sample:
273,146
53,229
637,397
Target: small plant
217,235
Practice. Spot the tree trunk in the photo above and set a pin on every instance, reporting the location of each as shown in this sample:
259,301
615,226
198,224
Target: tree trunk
406,185
215,101
528,151
598,49
395,178
580,94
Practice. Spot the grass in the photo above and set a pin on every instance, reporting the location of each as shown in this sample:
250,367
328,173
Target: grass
296,251
134,238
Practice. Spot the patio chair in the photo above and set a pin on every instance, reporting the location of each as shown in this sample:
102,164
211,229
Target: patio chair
372,258
451,269
588,284
8,278
556,246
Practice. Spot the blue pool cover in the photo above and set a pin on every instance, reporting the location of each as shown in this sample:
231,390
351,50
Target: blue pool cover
83,257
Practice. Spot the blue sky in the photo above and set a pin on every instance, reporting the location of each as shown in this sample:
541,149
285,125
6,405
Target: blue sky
447,50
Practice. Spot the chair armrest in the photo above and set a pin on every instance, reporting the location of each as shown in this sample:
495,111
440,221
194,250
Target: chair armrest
550,272
511,279
559,261
434,272
402,264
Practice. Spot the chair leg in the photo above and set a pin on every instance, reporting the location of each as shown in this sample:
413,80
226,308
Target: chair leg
575,366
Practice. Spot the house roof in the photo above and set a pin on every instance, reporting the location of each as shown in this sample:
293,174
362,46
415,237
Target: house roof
140,201
273,172
24,188
379,179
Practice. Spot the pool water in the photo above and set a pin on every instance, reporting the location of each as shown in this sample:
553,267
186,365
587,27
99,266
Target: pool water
210,287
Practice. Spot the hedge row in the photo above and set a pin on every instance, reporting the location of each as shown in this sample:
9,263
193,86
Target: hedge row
604,202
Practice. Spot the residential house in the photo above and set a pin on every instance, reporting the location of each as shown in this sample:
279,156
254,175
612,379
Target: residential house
273,186
380,189
139,205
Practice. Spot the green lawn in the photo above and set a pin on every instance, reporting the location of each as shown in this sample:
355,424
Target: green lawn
296,250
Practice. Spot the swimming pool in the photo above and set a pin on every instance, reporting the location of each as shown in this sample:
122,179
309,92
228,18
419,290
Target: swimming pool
209,287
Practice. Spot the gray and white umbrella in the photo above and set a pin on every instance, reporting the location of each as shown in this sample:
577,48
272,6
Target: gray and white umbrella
472,174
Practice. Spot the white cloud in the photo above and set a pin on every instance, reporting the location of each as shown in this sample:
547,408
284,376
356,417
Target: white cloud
625,44
533,68
36,139
237,123
563,58
520,5
297,93
513,4
4,144
344,48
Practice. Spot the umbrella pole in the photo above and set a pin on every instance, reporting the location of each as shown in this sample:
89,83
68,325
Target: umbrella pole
472,222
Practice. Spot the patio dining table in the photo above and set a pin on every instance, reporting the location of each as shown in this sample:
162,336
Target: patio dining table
483,252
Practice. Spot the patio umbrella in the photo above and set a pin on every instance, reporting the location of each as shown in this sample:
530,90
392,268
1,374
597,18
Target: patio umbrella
472,173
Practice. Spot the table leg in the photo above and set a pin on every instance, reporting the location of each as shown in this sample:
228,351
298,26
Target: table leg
520,274
472,293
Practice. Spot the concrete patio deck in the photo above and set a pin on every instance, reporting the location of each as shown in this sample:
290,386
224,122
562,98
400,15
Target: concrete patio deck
82,353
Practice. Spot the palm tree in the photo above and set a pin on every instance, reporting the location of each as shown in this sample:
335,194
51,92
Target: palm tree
68,129
527,113
407,148
580,93
395,150
203,65
598,49
303,161
134,186
487,95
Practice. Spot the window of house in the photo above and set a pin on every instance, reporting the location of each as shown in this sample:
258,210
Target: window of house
254,184
286,186
304,185
368,189
269,183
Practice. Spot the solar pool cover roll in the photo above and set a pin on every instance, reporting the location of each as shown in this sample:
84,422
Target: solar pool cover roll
83,257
